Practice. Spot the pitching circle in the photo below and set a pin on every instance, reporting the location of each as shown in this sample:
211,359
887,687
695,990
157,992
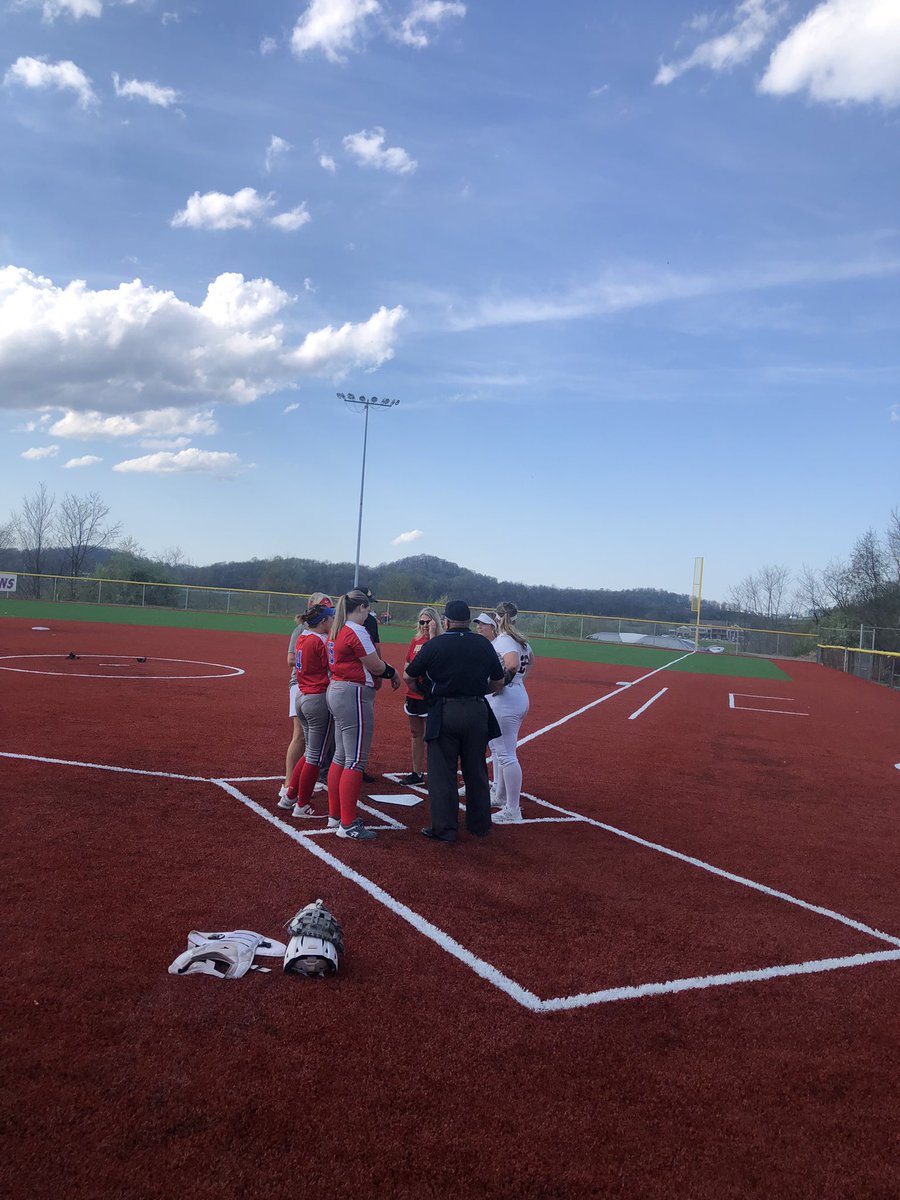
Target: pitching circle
221,670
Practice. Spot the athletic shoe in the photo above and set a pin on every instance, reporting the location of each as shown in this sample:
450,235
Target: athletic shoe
413,778
428,832
356,831
321,787
284,800
333,822
304,810
506,817
497,801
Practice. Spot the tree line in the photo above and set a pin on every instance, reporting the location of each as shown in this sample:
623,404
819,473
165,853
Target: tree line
74,536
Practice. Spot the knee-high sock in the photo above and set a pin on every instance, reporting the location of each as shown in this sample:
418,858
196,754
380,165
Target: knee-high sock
335,772
351,786
512,785
309,777
295,779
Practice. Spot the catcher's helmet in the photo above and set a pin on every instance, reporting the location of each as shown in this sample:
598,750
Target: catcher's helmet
316,941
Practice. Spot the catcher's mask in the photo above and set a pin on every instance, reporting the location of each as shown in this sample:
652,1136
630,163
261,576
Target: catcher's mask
316,941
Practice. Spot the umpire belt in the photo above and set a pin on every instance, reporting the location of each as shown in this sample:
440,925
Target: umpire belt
456,699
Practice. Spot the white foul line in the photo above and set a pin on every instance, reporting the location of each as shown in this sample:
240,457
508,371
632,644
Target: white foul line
492,974
602,699
644,707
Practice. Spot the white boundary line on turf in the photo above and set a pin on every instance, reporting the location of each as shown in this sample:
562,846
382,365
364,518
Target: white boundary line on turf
492,974
232,672
602,700
644,707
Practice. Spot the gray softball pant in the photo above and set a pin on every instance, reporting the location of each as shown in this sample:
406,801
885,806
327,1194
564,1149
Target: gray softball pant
312,709
352,706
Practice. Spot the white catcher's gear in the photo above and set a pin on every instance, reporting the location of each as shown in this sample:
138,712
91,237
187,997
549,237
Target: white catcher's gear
317,940
226,955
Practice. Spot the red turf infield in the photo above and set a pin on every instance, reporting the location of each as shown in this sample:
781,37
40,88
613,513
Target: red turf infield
408,1075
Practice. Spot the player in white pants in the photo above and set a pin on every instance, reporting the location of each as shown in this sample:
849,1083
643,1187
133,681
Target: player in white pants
510,707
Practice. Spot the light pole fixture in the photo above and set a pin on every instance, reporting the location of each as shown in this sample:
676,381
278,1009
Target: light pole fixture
363,402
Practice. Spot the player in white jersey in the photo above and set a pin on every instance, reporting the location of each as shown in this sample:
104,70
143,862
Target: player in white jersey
510,707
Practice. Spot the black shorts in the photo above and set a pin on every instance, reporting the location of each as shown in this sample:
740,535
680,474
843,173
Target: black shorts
415,708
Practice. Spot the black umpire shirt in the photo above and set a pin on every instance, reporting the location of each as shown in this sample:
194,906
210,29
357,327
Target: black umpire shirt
458,662
370,624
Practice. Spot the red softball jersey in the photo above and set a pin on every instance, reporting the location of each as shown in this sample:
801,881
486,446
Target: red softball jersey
311,660
345,651
414,647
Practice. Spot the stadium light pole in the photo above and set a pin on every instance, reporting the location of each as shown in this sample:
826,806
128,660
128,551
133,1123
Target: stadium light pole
367,403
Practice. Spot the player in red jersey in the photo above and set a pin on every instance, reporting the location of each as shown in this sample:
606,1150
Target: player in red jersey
416,707
354,664
311,670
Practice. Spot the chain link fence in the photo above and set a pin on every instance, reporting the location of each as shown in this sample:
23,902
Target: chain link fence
729,639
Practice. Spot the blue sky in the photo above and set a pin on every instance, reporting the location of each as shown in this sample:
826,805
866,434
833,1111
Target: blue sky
630,268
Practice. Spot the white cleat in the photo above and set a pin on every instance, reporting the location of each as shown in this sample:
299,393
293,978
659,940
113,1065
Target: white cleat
506,817
304,810
284,801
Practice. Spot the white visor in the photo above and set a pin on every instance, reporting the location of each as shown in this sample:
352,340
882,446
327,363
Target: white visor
484,619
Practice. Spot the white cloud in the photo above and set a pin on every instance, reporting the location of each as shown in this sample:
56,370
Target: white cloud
268,46
153,93
64,76
367,148
308,285
132,348
165,462
288,222
159,423
402,538
895,412
88,460
290,408
276,147
162,443
37,452
75,8
844,50
327,163
754,21
426,13
335,27
170,18
216,210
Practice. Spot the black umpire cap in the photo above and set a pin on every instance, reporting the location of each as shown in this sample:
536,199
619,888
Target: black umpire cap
457,610
367,592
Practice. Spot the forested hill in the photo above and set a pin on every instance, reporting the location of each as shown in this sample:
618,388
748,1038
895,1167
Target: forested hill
423,577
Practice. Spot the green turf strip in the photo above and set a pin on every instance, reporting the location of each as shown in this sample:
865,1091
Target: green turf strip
642,657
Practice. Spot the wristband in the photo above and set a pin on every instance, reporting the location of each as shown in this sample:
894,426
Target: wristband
388,672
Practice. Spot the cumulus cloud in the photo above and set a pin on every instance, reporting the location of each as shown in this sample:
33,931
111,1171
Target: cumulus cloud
277,146
327,163
843,51
63,76
181,462
133,348
402,538
38,452
895,412
334,27
153,93
87,460
367,147
268,46
217,210
414,29
74,8
754,20
290,221
290,408
155,423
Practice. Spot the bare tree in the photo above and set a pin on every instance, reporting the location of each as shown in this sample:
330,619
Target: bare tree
762,594
892,538
32,526
7,536
130,545
81,526
810,595
174,556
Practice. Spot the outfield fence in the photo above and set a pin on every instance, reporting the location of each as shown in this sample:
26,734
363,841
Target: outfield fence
729,639
878,666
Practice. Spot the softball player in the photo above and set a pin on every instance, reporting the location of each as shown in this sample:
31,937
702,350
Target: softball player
311,659
416,707
354,664
296,744
510,707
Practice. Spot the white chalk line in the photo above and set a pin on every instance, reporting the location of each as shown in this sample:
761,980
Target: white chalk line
601,700
231,672
68,762
492,974
644,707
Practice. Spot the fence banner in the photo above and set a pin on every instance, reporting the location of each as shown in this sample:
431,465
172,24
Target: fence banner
8,583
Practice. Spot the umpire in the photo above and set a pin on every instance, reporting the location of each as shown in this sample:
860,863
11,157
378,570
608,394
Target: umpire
459,668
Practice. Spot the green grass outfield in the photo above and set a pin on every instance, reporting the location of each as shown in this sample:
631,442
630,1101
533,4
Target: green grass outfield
600,652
